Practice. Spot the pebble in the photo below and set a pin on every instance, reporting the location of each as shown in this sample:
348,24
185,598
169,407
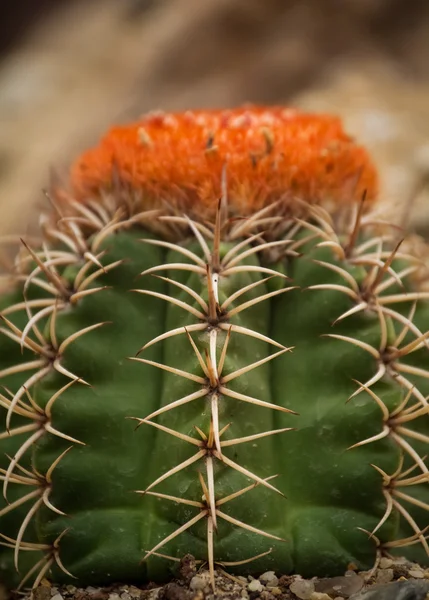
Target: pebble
43,592
125,596
343,585
114,596
269,578
417,573
71,589
384,576
200,582
275,591
385,563
57,597
255,586
399,590
320,596
302,588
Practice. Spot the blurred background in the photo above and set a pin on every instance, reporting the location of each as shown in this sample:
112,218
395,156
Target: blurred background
69,69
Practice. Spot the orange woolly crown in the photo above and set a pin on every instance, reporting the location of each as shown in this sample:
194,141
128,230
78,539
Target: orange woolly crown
262,154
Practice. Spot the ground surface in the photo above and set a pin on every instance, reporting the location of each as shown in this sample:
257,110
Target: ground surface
412,583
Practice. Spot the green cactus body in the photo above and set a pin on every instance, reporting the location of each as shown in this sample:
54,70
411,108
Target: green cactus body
155,382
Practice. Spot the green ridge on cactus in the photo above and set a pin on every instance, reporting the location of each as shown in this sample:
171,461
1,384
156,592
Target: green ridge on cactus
329,497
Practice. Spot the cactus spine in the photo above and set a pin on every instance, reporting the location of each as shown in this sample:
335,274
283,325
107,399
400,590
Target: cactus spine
276,415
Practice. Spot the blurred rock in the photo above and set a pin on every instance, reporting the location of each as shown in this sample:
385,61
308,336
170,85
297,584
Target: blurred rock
399,590
344,586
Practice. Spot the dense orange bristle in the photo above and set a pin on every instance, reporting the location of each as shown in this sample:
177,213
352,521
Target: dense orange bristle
266,154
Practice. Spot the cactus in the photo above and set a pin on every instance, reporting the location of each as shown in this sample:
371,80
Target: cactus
218,347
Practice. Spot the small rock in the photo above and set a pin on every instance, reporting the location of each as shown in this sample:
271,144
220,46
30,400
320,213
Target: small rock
399,590
255,586
173,591
42,593
269,578
57,596
200,581
343,585
125,596
302,588
385,563
71,589
285,581
134,591
154,593
275,591
384,576
320,596
416,573
114,596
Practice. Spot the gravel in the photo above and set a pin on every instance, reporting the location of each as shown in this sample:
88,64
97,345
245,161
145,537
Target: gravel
393,579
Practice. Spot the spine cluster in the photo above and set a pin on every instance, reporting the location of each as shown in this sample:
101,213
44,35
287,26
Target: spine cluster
215,319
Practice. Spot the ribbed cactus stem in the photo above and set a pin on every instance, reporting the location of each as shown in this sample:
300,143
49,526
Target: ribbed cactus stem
249,387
